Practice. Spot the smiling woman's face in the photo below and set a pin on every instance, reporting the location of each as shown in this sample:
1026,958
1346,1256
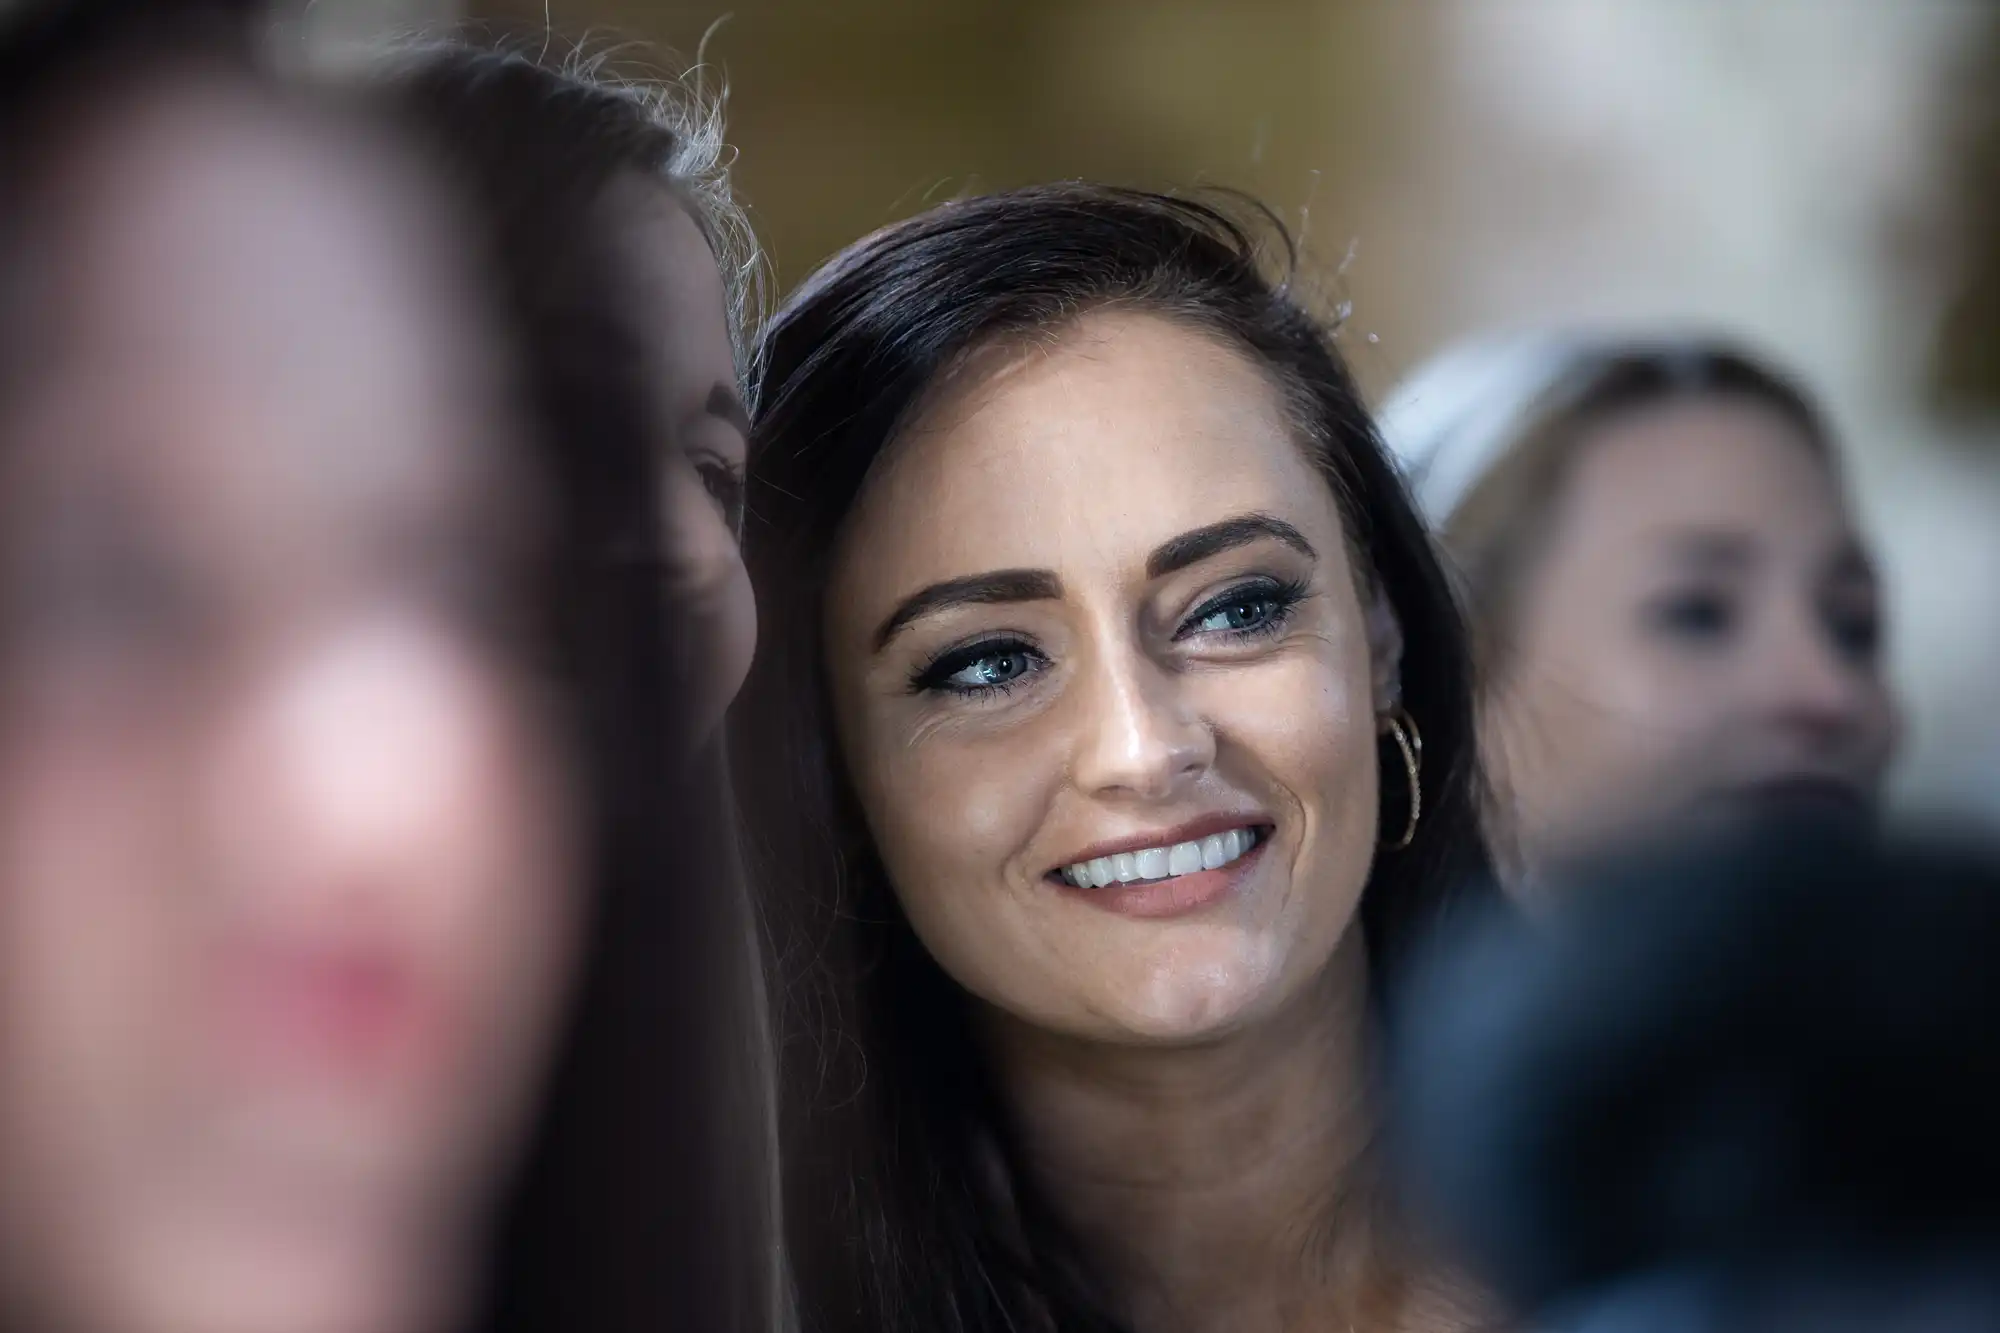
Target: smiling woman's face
1107,689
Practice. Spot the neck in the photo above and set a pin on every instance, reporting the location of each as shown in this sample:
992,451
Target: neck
1219,1186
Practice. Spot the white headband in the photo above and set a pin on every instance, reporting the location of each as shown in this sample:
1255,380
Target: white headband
1447,425
1460,413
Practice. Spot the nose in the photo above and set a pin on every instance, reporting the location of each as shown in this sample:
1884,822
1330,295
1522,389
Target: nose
1138,734
701,550
351,768
1816,693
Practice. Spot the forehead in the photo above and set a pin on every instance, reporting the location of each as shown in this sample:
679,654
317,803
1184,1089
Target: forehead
204,206
269,285
667,256
676,283
1081,455
1712,464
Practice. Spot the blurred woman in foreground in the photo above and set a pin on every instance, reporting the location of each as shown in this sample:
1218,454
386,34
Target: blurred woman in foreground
351,948
1675,614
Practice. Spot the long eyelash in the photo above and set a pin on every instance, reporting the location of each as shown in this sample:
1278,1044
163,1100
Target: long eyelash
935,675
727,486
1287,593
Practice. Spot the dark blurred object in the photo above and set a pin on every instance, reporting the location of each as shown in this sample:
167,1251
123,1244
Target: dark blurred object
42,41
1751,1086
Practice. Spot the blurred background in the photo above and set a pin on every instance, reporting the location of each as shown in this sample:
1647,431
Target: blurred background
1819,176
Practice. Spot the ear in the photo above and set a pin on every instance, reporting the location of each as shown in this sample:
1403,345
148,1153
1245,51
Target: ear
1385,651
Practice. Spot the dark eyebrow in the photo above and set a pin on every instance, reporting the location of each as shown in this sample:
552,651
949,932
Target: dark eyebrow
1193,547
724,402
1002,585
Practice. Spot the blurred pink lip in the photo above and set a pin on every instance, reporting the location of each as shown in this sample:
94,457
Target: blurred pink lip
345,1011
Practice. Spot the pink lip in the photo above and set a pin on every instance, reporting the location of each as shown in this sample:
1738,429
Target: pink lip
1192,831
343,1011
1180,896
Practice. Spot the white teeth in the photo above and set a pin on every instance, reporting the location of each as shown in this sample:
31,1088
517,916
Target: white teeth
1182,858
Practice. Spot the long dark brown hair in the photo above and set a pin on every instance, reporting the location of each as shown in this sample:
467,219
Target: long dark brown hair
896,1130
650,1200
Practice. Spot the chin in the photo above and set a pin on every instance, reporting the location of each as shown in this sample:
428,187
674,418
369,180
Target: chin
1785,799
276,1285
1196,995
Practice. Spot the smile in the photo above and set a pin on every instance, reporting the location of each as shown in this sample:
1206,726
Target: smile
1171,861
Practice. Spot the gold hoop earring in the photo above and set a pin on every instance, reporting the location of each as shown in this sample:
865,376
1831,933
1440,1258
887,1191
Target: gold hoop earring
1399,724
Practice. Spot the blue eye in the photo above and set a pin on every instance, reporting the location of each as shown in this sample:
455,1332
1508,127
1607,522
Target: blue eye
1260,608
994,669
980,668
1243,614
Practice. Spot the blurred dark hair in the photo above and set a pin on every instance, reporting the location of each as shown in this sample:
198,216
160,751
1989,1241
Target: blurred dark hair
586,129
651,1198
1494,533
56,56
44,44
901,1222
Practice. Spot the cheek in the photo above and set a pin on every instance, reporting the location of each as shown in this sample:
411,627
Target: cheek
729,638
1581,752
950,816
99,955
703,555
1885,725
1308,721
711,588
501,901
1587,681
1304,729
92,837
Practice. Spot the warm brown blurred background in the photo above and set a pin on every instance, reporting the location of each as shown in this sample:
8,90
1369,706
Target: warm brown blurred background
1821,176
851,113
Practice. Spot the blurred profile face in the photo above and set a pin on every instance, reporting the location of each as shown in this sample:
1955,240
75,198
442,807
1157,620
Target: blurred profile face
286,864
1107,690
693,370
1701,635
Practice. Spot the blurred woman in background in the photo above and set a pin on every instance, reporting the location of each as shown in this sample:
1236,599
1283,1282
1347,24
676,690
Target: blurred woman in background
649,162
1109,741
367,963
646,303
1674,612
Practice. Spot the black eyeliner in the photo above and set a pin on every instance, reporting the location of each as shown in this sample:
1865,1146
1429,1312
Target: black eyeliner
934,673
1286,593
